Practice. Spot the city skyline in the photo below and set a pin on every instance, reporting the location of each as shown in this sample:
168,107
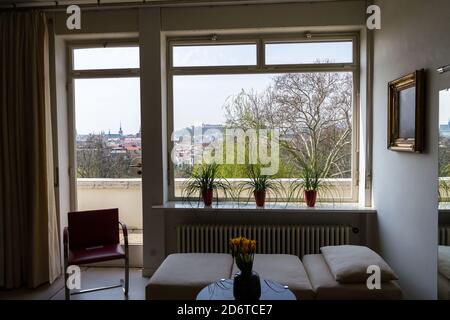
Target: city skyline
111,132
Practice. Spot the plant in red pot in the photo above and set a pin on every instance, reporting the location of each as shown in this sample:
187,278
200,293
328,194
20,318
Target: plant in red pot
309,183
204,180
258,185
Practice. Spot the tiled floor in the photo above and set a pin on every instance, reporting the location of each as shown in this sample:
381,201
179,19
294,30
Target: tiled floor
90,277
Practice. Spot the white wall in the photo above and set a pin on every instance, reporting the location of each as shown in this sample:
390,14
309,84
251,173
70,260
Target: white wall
153,120
414,35
305,14
124,194
99,21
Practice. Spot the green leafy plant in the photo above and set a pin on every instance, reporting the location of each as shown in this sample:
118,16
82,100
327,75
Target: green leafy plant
443,190
259,183
205,178
311,180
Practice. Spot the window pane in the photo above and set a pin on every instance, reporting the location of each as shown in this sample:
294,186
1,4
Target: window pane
107,126
106,58
108,141
444,147
203,115
214,55
309,52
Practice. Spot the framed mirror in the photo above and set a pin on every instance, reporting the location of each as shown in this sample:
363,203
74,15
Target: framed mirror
405,113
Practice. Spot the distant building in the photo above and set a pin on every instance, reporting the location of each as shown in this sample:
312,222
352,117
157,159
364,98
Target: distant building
444,129
120,130
139,134
218,127
117,143
118,135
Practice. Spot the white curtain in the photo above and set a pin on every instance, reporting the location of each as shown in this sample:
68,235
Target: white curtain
29,245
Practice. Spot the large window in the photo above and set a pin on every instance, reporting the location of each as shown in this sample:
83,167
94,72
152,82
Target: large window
105,118
107,114
305,90
106,90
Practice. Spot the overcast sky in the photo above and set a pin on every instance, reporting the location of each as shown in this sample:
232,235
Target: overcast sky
104,104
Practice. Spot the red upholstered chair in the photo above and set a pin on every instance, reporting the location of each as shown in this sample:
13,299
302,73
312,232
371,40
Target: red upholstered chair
93,236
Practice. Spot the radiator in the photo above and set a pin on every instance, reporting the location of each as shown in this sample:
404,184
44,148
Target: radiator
444,235
283,239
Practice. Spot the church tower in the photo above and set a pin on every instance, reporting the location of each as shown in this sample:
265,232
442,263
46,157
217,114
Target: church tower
120,130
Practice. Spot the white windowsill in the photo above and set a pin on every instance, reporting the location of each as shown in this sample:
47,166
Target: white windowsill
270,207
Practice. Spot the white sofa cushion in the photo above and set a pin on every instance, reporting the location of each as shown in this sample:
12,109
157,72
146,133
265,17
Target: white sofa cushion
444,261
443,287
327,288
349,264
181,276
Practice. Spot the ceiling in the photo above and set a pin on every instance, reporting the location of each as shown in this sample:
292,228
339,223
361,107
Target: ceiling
37,3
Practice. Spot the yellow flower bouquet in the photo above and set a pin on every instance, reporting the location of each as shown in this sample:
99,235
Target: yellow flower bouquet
246,283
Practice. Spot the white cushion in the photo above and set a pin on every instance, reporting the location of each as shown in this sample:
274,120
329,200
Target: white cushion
443,287
181,276
349,264
444,261
327,288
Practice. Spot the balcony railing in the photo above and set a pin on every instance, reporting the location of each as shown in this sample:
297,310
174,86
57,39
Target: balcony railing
124,194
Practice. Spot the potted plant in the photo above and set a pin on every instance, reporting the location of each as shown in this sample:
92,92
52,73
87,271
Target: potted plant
310,182
258,185
204,179
443,190
246,284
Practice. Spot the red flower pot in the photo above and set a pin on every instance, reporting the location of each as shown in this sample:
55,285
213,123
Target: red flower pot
260,198
310,198
207,196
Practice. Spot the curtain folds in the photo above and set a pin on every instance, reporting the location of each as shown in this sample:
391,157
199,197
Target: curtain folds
29,245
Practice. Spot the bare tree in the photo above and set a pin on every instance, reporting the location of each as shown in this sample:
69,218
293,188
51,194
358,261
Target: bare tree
95,159
313,112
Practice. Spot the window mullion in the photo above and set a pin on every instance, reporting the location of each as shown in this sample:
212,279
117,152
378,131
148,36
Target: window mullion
261,54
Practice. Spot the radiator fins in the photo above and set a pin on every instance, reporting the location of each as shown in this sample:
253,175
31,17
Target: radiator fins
444,235
271,239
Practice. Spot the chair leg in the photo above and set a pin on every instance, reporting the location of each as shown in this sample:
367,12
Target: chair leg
66,288
127,276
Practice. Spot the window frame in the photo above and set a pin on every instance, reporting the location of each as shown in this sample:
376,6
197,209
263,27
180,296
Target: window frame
88,74
262,68
183,43
288,41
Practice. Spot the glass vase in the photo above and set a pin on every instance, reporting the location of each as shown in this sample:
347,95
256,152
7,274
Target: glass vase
246,286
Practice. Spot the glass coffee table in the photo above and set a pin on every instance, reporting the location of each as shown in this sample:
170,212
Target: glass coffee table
223,290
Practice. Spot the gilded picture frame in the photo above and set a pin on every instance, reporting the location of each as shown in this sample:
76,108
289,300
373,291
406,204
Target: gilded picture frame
406,113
